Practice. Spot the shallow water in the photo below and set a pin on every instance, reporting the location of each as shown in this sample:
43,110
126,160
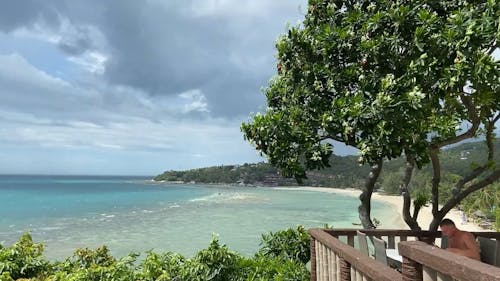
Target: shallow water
131,215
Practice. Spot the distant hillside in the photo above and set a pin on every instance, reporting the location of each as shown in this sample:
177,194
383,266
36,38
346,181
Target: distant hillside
344,171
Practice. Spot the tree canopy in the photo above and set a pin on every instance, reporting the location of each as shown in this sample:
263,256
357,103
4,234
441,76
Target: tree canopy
390,78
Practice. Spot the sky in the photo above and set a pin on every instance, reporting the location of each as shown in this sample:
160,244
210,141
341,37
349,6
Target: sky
134,87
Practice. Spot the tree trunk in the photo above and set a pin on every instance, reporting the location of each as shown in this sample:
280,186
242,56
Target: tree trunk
436,178
364,209
410,220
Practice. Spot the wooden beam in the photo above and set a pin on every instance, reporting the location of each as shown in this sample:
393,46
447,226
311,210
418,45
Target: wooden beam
456,266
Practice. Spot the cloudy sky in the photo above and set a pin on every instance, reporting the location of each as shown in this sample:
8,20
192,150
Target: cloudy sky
133,87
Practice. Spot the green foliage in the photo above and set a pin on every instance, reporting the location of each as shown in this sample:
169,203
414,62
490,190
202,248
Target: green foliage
420,198
162,267
272,268
216,263
95,265
486,200
497,219
228,174
222,263
23,259
344,171
381,76
5,276
391,180
291,244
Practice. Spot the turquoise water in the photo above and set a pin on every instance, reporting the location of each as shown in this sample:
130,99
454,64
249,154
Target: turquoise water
132,215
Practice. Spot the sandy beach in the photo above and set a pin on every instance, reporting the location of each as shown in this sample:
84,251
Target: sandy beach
424,217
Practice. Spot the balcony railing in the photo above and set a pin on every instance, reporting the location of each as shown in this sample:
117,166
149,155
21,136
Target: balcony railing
334,258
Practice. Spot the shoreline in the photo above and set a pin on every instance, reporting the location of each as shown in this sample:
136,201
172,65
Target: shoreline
424,217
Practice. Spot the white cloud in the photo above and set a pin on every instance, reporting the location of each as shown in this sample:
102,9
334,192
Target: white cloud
92,61
196,101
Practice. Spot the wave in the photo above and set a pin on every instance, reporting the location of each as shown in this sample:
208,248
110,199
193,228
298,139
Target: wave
108,216
228,197
50,228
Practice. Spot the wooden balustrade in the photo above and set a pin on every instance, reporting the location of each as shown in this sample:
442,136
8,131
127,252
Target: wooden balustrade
334,260
422,261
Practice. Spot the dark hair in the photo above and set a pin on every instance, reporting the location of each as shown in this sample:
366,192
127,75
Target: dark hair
446,222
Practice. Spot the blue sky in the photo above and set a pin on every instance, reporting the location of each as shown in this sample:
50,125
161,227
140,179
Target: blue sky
134,87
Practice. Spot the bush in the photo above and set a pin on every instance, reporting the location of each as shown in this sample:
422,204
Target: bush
95,265
161,266
278,259
220,260
290,243
272,268
22,260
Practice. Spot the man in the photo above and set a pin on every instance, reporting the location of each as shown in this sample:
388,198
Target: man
459,242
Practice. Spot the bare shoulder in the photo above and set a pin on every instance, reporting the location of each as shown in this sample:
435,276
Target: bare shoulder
468,238
468,235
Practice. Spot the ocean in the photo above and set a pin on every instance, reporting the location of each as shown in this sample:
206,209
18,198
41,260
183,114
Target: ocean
133,214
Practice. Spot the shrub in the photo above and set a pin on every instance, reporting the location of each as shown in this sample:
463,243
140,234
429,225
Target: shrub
161,266
282,257
290,243
95,265
22,260
272,268
220,260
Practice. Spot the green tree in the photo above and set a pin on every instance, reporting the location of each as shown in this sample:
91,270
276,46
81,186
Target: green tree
388,78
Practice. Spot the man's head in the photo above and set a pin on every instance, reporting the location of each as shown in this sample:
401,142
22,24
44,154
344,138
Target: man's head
448,227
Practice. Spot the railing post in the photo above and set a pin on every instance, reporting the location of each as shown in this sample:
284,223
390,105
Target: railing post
345,270
313,259
411,270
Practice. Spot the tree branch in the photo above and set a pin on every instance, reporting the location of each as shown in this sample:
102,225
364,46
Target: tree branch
416,210
436,178
475,173
492,49
408,218
490,126
474,120
364,209
494,176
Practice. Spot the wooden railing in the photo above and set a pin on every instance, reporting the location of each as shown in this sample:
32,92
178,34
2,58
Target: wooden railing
334,260
425,262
